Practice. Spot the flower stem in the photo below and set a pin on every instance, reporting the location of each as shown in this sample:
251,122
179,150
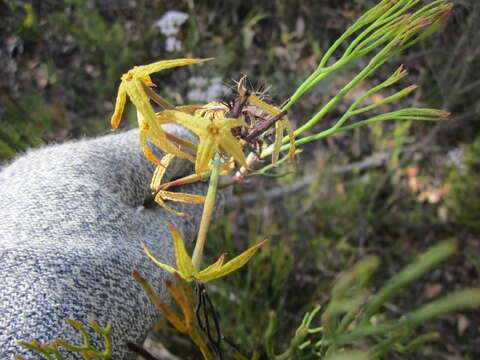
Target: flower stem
207,214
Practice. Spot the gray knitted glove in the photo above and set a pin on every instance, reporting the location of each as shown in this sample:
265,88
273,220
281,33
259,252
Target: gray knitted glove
71,223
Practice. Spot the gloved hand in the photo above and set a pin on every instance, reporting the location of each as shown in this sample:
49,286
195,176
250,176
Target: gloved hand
71,223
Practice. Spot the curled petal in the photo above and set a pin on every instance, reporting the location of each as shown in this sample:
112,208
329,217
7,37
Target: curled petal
146,150
160,172
241,86
159,201
160,139
147,80
182,181
119,106
183,197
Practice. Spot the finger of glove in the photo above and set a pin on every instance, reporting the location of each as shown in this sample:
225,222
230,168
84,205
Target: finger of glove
114,163
91,183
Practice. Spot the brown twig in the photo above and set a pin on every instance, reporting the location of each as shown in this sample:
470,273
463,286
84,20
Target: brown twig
283,191
264,126
239,105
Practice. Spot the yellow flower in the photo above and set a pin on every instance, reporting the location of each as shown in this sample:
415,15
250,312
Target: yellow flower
212,110
187,271
162,194
135,83
213,133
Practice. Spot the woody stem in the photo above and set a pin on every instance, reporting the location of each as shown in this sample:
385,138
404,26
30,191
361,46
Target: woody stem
264,126
207,214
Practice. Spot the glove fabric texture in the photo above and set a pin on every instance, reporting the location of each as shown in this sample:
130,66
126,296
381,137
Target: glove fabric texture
71,223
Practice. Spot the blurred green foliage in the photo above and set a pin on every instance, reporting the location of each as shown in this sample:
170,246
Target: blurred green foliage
23,129
464,196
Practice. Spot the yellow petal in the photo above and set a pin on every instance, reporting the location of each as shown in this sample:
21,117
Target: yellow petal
148,119
138,97
181,142
215,266
280,126
144,70
154,259
278,141
195,124
291,137
184,262
269,109
208,139
230,266
232,146
119,106
162,142
159,201
212,110
146,150
182,197
160,172
230,123
147,80
188,108
205,152
182,181
159,137
157,178
132,83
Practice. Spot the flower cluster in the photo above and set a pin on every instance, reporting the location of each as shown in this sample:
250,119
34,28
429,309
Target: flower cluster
217,130
223,133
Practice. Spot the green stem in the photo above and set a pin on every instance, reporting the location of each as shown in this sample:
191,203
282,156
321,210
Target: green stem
349,55
373,65
207,213
330,131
